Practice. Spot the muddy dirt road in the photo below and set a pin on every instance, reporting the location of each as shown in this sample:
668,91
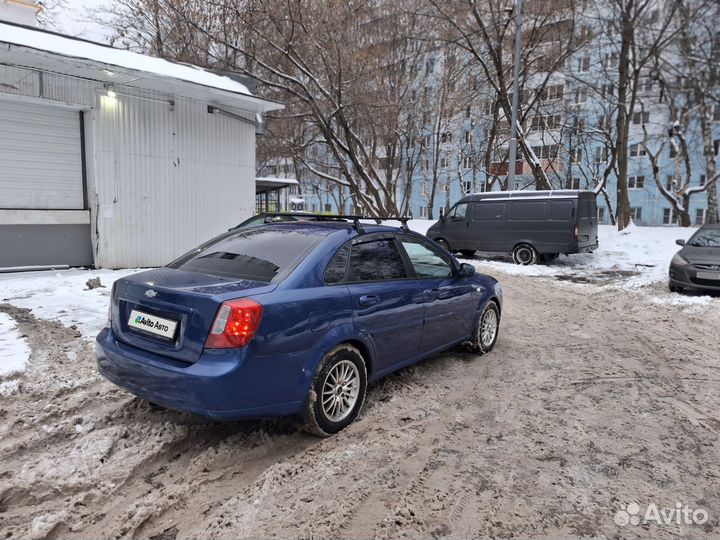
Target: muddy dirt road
593,399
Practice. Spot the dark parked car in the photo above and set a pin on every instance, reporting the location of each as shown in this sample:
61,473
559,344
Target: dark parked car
532,225
697,264
292,318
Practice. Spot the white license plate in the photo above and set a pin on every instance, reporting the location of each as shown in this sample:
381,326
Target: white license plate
152,324
709,275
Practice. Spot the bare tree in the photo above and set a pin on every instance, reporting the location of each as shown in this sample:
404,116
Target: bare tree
633,32
484,30
688,74
345,65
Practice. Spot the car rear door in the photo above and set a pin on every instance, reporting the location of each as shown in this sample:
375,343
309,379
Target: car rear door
387,303
450,301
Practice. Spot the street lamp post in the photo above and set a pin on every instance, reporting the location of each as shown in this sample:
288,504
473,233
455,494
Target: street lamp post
516,97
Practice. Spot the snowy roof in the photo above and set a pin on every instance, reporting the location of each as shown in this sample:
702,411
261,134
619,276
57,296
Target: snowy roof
286,181
111,58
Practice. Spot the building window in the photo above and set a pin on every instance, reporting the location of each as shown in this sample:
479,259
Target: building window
716,113
611,60
642,117
636,182
702,179
669,182
607,90
646,84
583,64
601,214
467,186
636,214
576,155
466,162
424,188
548,151
316,190
669,216
601,154
581,95
552,92
328,208
578,126
716,145
574,183
700,216
423,212
637,150
468,111
443,163
673,150
468,137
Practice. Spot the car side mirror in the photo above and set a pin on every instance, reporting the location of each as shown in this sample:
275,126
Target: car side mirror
680,242
467,270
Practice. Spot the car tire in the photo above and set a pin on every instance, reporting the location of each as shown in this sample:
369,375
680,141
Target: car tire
337,392
524,254
467,253
443,244
487,329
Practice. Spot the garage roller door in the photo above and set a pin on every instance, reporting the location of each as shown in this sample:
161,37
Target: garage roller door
40,157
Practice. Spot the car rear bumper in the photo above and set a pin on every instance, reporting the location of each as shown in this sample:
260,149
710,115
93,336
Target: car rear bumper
226,385
686,277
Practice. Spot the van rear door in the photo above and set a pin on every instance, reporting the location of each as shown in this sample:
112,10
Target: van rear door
587,221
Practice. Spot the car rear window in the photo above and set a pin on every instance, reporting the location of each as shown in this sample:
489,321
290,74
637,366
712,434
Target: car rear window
258,254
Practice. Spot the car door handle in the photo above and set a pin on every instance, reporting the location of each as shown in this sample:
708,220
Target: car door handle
431,293
368,300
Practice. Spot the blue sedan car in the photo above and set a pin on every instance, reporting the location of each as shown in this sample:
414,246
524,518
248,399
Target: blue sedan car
292,318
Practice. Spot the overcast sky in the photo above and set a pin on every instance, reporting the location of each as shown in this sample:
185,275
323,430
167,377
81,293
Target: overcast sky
71,17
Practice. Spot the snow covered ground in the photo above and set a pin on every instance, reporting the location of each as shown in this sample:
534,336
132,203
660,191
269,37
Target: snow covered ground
14,350
62,296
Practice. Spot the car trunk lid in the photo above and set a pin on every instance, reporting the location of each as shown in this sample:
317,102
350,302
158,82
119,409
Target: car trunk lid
170,312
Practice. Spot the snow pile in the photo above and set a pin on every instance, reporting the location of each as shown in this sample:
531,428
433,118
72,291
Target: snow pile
14,350
63,296
639,255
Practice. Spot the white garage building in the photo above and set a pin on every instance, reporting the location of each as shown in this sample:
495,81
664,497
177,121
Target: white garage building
117,159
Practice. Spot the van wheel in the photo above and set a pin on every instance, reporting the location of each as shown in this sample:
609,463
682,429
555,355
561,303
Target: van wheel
443,244
467,253
524,254
337,392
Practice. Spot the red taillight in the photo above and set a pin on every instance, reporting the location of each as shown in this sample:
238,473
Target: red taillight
235,324
576,232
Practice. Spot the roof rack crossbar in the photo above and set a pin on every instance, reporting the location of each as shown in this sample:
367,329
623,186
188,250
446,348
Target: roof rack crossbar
355,218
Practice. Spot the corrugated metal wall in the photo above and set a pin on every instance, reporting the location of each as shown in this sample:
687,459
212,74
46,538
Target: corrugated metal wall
168,178
161,179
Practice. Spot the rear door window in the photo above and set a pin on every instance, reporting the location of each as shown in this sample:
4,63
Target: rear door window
527,210
258,254
488,211
376,260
